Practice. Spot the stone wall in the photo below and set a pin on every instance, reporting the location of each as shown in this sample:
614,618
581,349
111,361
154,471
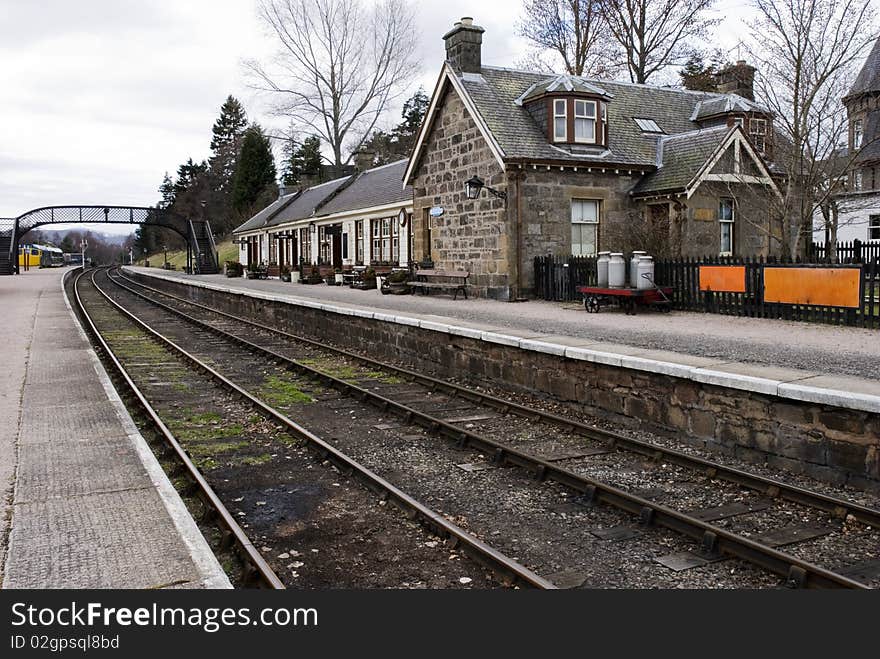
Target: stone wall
470,235
831,443
702,232
546,210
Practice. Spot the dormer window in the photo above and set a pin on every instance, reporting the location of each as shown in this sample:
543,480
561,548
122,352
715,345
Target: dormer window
857,134
585,121
560,120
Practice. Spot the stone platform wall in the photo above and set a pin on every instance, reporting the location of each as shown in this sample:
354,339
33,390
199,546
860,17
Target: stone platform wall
833,444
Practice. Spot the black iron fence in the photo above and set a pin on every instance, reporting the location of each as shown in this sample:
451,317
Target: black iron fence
558,279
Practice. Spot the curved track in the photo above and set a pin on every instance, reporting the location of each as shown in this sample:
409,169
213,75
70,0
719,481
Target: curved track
506,568
715,540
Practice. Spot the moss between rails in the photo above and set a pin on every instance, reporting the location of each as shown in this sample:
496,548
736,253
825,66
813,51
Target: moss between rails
283,392
350,373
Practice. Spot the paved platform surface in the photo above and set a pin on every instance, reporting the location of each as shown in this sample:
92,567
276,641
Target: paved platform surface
85,503
817,363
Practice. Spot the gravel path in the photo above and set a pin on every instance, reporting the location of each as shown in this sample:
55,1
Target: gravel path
812,347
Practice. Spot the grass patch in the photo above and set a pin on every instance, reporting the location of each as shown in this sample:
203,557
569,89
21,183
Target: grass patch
282,392
350,373
209,450
256,461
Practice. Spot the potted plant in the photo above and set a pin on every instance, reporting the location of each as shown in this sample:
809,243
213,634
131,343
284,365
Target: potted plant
285,273
369,279
396,283
252,271
233,269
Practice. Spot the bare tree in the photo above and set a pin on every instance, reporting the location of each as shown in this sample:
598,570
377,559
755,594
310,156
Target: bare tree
575,31
655,34
338,65
806,52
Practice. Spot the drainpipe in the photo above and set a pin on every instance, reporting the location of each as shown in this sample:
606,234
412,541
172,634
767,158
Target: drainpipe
518,285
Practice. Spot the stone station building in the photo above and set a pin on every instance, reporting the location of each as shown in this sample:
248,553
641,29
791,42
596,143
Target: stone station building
576,166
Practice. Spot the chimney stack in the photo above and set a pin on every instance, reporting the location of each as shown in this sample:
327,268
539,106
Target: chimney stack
363,160
737,79
464,45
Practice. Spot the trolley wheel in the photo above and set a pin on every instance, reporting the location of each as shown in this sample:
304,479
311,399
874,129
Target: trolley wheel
591,304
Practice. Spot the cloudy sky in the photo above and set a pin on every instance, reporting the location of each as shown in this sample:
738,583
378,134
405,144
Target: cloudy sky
99,98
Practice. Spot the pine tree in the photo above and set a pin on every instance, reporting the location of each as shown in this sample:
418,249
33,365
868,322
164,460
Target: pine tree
255,172
187,175
167,192
312,161
398,144
699,75
291,170
226,141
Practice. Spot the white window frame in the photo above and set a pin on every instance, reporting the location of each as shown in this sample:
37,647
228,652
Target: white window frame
874,227
604,123
858,180
758,133
593,223
858,134
726,225
557,103
585,118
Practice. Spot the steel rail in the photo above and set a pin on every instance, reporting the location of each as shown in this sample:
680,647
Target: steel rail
233,532
837,507
490,556
714,539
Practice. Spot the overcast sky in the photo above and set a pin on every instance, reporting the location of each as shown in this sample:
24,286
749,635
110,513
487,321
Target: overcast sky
99,98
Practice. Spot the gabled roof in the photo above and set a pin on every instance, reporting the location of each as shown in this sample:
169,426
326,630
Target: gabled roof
375,187
494,100
868,79
680,159
687,160
563,83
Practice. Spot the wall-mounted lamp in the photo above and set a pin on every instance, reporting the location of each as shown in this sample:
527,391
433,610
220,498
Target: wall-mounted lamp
476,184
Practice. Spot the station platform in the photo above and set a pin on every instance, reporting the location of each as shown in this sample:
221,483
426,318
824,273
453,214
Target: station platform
822,364
85,503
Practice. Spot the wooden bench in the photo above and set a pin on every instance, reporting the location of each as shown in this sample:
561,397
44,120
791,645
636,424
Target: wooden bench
449,280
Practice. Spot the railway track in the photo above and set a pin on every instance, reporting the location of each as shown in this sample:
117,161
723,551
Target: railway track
115,321
480,420
256,569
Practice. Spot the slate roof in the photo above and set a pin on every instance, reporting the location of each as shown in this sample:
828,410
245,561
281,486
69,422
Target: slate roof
868,79
495,93
682,156
374,187
261,218
294,207
727,103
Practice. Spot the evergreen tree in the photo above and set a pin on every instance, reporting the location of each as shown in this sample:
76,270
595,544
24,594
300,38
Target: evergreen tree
398,144
699,75
167,192
414,111
302,160
187,175
312,161
255,171
227,132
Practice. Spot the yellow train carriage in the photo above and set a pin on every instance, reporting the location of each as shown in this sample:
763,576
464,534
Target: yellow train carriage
40,256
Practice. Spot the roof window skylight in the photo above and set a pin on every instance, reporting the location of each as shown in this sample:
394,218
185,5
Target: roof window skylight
648,125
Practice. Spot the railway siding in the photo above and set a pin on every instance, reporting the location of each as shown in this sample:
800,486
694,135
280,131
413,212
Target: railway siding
788,419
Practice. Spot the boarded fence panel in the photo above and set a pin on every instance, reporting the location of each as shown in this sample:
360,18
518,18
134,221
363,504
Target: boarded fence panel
558,278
